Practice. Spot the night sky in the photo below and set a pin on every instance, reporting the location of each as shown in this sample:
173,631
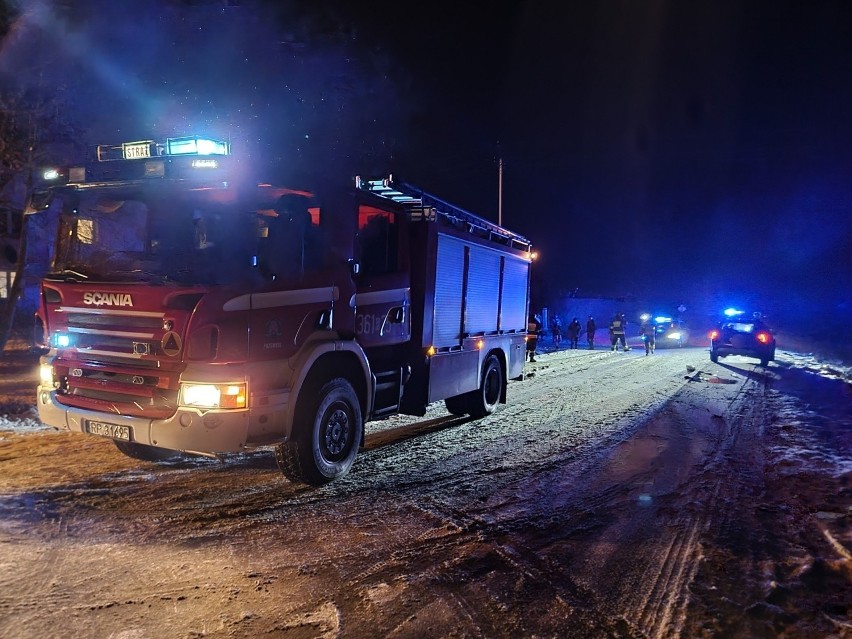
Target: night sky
680,152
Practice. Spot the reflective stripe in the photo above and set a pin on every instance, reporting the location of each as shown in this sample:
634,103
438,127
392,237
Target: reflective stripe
282,298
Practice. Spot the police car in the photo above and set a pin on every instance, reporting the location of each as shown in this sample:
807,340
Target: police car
740,333
670,331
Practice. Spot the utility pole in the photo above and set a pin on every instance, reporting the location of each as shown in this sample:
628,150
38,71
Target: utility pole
500,192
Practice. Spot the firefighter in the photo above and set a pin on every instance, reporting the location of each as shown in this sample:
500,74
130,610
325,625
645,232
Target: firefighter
533,329
648,331
574,333
618,332
556,329
590,332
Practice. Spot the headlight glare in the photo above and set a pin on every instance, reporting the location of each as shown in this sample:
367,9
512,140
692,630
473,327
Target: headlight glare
213,395
45,375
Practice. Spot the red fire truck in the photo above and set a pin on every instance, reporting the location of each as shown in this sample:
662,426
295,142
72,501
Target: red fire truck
186,312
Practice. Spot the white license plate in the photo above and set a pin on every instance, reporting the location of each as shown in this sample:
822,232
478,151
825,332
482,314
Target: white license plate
136,151
109,430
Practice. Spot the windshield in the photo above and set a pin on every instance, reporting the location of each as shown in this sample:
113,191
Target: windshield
188,238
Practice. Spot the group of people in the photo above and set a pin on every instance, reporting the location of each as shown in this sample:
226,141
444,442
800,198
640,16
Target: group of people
617,333
573,331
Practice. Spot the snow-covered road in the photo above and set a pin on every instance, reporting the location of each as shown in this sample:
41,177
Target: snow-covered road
615,495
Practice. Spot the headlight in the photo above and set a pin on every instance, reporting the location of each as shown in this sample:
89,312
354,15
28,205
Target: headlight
674,335
45,375
213,395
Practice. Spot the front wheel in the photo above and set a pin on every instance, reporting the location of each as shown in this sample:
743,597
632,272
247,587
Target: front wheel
714,357
144,452
325,437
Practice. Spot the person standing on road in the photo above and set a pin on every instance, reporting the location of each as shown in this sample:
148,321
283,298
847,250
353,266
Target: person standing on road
533,329
590,332
648,332
556,329
574,329
618,332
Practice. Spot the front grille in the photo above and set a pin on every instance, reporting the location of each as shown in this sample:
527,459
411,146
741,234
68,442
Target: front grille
105,319
115,363
117,389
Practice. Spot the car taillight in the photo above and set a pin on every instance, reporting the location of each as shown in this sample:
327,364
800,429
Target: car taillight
763,337
714,334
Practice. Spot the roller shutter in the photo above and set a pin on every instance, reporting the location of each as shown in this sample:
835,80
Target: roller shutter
448,292
483,291
515,276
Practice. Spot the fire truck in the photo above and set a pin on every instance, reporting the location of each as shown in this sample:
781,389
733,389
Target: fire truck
187,310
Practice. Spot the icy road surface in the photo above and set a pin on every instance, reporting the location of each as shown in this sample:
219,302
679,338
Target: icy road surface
615,495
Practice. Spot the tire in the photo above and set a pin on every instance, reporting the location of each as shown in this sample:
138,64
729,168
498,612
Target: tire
484,400
145,452
326,436
457,405
714,357
764,363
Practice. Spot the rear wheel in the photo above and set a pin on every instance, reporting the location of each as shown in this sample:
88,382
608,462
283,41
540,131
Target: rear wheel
325,437
457,405
714,357
484,400
144,452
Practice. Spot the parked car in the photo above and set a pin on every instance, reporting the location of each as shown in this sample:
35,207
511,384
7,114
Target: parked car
670,331
743,334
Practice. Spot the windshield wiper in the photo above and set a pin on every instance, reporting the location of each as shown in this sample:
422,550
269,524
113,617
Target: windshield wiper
146,276
67,275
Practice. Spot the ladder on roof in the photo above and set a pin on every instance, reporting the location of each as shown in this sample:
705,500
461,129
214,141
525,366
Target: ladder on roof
424,206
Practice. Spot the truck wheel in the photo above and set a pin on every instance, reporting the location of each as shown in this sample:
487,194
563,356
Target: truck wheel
483,401
144,452
714,357
325,438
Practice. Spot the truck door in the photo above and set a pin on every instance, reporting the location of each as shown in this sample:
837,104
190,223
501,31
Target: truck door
298,292
382,296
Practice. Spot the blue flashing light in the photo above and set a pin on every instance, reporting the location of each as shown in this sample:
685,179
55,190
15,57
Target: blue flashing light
662,319
732,312
195,145
51,174
62,340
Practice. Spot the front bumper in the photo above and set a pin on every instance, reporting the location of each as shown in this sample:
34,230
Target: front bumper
190,430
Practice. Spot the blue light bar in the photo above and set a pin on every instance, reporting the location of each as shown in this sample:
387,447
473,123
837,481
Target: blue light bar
196,145
732,312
